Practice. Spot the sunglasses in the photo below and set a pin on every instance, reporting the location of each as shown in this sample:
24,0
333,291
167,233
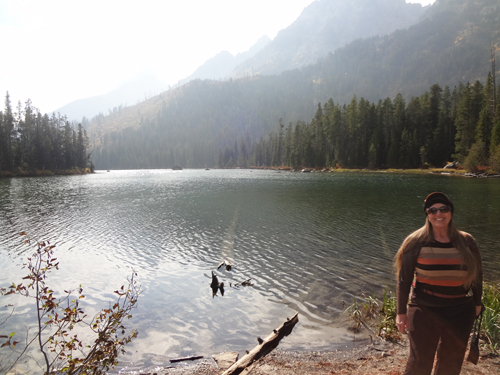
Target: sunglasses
434,210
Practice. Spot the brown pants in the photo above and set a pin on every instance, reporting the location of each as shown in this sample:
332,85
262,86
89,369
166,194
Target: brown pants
441,330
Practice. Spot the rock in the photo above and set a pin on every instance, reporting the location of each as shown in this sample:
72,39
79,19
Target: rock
225,360
451,165
17,370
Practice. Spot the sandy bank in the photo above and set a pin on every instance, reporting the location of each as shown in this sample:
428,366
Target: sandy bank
377,358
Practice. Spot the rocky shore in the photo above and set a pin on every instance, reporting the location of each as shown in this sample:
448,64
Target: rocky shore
379,357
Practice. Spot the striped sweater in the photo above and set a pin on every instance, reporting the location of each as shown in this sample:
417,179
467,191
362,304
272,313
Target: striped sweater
439,271
435,270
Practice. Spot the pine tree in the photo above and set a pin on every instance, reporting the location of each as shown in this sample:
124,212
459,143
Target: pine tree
8,136
465,124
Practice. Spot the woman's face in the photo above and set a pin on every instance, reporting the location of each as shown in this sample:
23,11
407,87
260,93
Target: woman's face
439,220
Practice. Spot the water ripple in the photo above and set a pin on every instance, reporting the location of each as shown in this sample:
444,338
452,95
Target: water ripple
310,243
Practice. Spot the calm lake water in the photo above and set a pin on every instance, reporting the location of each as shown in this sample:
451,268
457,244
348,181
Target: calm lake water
309,242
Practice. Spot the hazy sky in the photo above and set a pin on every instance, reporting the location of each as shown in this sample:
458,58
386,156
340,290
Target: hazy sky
55,52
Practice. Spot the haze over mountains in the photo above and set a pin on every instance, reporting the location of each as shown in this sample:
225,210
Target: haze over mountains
447,43
323,27
135,89
146,84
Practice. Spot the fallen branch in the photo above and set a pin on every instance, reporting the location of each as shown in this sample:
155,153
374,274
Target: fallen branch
265,346
244,283
186,359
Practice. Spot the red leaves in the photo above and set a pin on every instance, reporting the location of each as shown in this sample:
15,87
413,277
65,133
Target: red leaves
9,343
61,315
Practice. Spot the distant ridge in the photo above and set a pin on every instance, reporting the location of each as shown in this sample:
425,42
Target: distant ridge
326,25
136,89
223,64
146,84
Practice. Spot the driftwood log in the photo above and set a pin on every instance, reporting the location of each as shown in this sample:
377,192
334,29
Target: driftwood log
265,347
245,283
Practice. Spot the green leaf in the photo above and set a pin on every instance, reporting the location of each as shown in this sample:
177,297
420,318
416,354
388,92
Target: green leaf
12,334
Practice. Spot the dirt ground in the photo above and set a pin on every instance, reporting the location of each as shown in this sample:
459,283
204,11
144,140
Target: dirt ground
380,357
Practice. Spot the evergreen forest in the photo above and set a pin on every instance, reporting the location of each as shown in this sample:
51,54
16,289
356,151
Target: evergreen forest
433,129
442,125
332,112
32,143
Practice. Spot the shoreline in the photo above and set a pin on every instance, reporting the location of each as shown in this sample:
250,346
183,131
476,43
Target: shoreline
439,171
376,358
46,173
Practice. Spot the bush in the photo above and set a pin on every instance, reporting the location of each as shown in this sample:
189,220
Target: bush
57,321
476,158
490,326
384,313
495,161
388,312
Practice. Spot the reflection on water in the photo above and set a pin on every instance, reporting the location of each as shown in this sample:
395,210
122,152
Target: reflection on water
309,242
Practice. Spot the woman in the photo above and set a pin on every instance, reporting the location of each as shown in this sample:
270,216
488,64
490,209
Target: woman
443,265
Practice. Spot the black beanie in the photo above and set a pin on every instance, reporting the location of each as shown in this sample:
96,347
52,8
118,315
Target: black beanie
437,197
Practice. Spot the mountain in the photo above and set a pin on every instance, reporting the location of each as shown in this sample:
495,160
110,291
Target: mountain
450,45
137,88
323,26
224,63
192,124
146,84
326,25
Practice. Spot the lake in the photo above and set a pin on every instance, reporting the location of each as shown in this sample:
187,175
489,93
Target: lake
310,243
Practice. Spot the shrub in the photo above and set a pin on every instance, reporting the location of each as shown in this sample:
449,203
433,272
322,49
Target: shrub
495,161
490,326
58,318
476,158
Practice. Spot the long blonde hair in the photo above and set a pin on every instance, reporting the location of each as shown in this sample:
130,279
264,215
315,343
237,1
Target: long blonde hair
457,238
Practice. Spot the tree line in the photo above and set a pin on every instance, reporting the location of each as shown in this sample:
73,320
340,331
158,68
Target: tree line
460,124
35,143
437,127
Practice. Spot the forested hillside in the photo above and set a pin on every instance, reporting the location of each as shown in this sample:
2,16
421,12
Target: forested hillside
191,125
452,44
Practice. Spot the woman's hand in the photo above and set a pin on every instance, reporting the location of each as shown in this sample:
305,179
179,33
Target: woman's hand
478,310
402,323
